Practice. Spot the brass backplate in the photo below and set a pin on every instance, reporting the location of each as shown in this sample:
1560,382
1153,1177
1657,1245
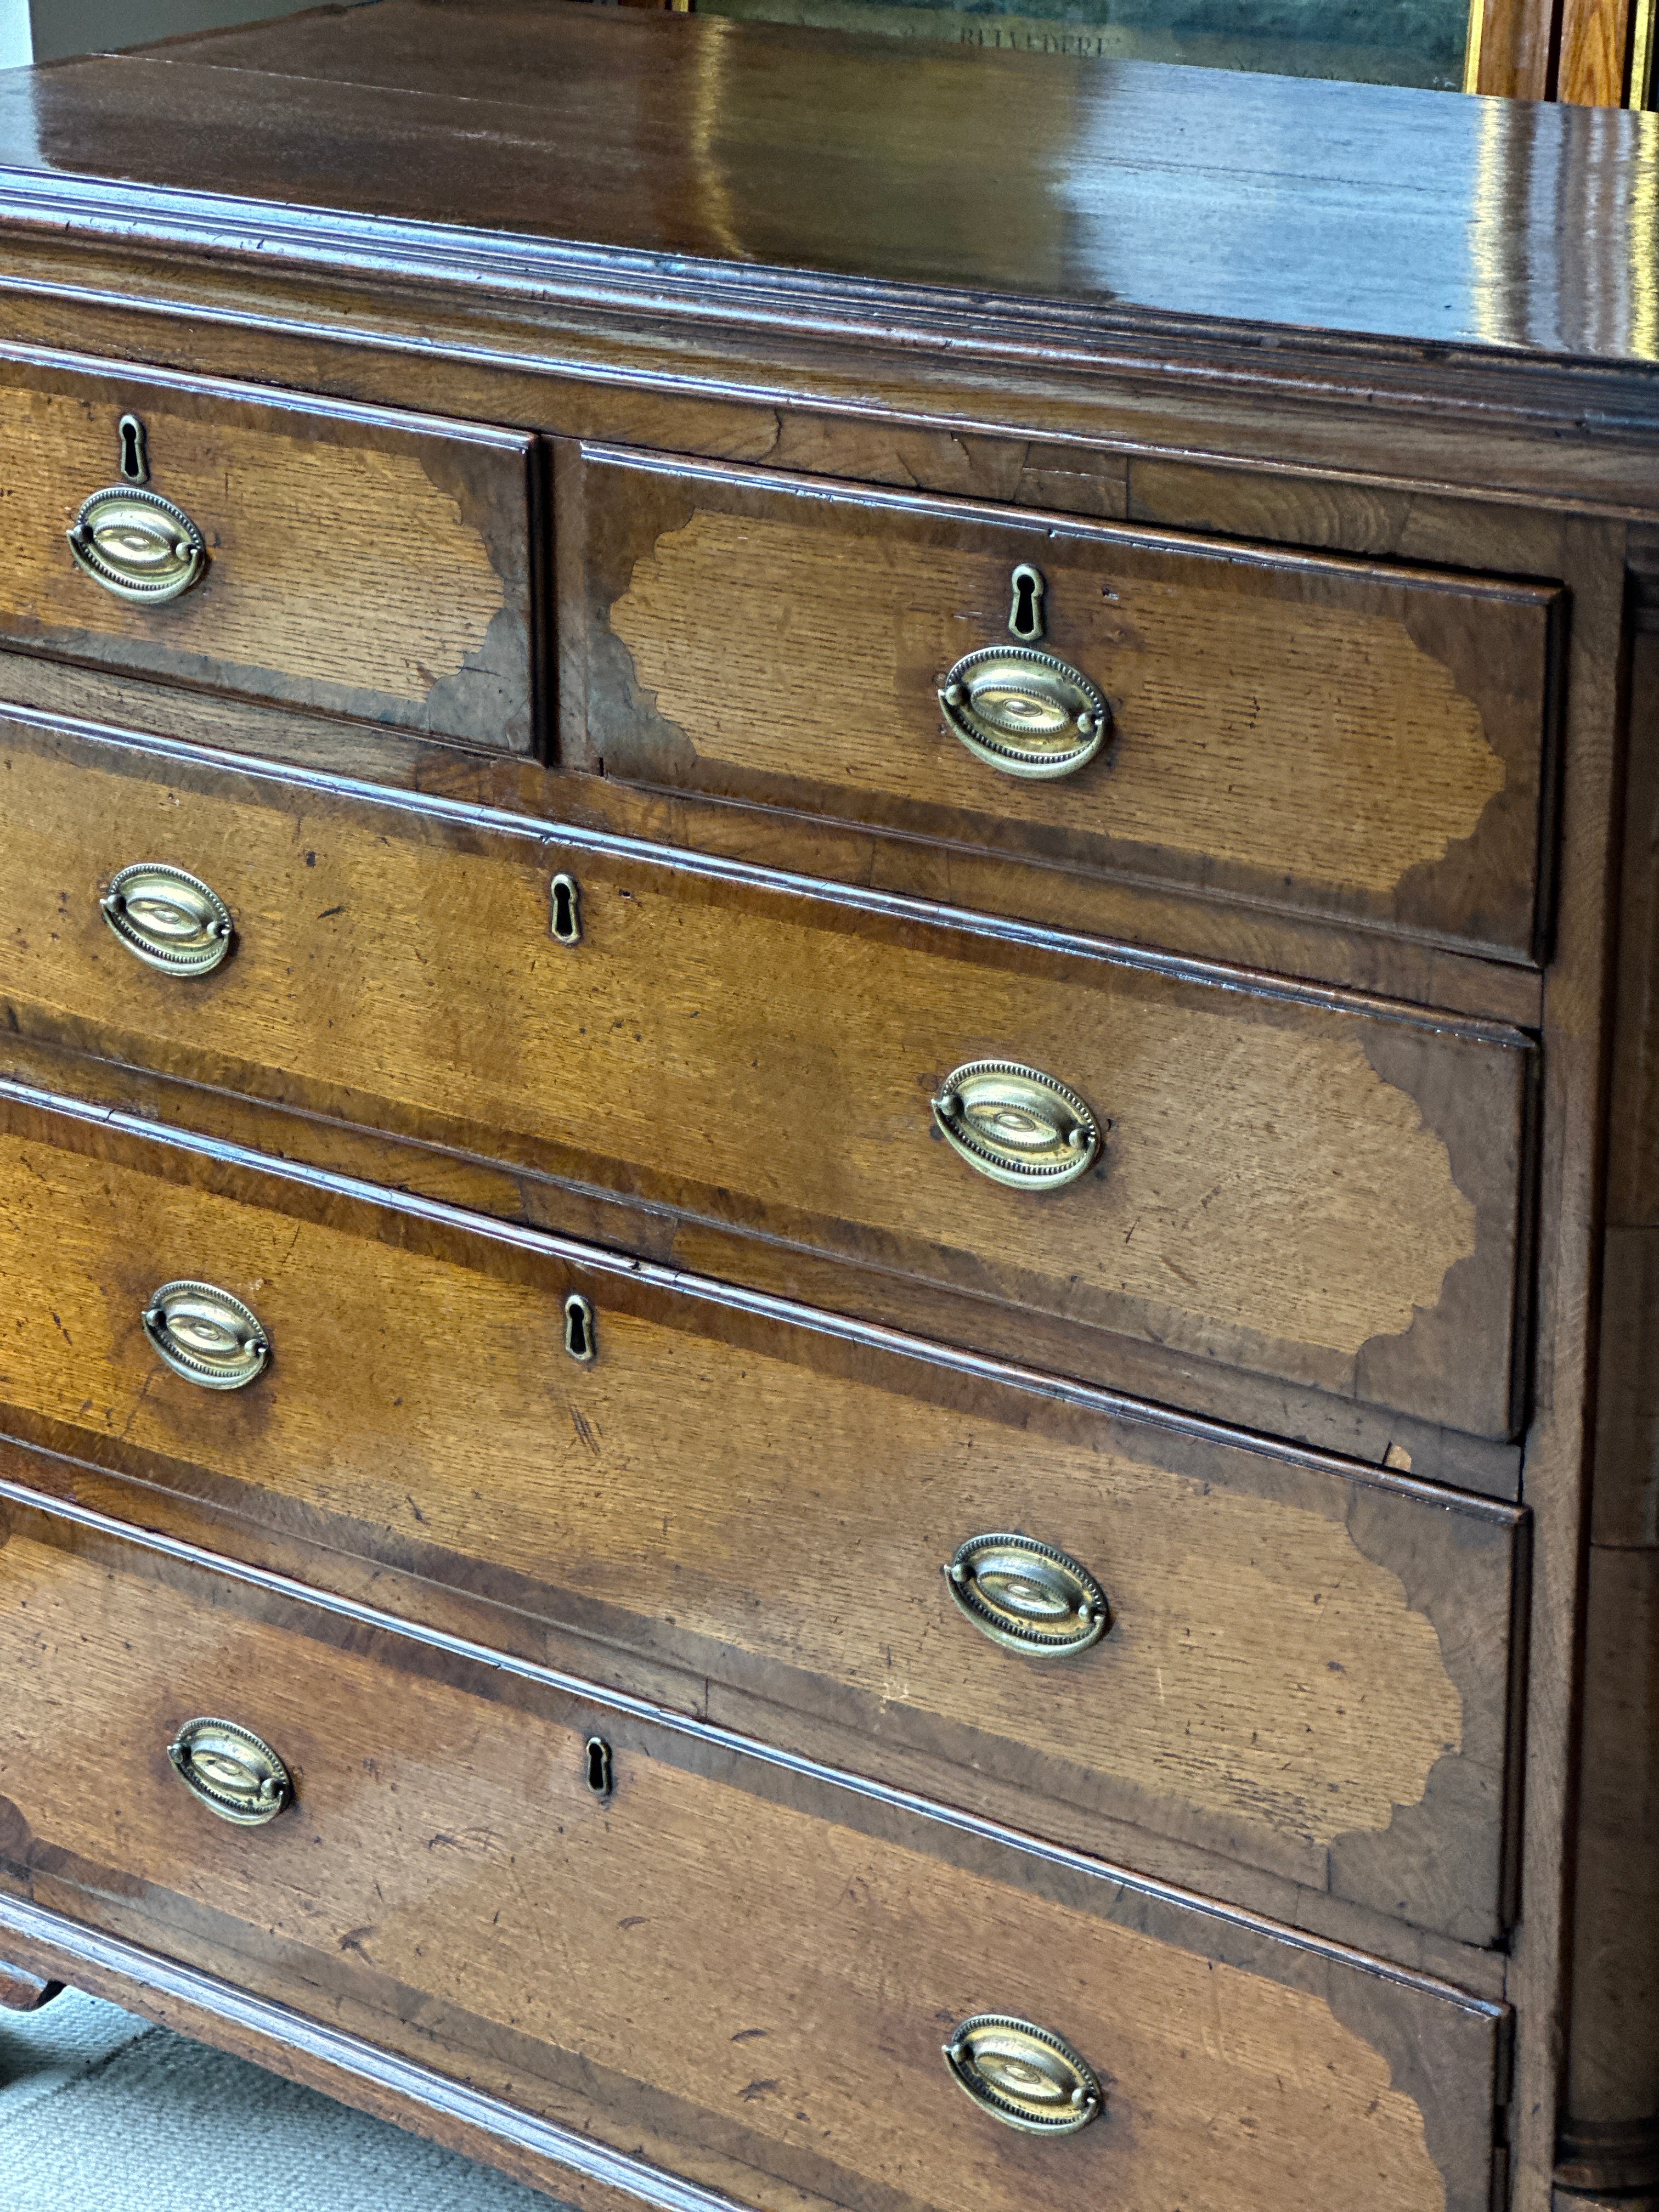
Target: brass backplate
138,545
1017,1125
206,1335
231,1771
1025,712
168,919
1027,1597
1022,2075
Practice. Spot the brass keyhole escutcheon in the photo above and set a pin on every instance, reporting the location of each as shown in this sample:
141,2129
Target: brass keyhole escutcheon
232,1772
580,1340
567,902
169,919
135,450
1026,621
1022,2075
1027,1597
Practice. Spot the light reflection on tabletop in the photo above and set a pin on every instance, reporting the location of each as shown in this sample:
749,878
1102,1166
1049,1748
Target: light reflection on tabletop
1256,200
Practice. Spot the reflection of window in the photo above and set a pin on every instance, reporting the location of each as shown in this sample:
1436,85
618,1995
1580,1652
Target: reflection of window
1595,52
1376,41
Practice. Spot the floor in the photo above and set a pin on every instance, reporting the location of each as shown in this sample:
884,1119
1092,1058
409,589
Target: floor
101,2112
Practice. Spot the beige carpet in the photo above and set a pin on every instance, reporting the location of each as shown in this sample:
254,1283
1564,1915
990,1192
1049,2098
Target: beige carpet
100,2112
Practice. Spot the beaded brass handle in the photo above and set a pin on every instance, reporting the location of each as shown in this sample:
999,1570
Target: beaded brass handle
1022,2075
1027,1597
206,1335
138,545
232,1772
1017,1125
168,918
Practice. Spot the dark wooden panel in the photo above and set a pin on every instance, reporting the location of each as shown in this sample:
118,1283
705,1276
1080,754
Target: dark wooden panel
1309,1667
1366,743
752,1966
360,562
1609,2134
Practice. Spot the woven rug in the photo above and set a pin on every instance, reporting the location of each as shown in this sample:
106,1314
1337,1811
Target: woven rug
101,2112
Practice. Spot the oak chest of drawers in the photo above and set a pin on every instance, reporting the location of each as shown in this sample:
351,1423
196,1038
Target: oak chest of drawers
826,1189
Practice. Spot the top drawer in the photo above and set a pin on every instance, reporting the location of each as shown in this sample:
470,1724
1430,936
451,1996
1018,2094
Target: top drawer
1325,735
350,560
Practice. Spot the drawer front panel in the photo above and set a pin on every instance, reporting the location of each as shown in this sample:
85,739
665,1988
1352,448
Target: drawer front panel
748,1974
1325,735
358,562
1306,1667
1306,1188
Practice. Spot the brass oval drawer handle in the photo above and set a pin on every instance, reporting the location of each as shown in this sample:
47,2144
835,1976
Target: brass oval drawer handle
1017,1125
168,918
1022,2075
234,1772
138,545
1027,1597
1025,712
206,1335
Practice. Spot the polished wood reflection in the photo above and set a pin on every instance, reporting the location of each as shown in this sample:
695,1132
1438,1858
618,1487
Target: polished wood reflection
1114,184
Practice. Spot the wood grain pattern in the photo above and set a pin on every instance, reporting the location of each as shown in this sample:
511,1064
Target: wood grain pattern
743,1966
864,1304
1594,57
1313,1190
211,1520
1309,1669
360,562
1363,743
1517,46
209,2008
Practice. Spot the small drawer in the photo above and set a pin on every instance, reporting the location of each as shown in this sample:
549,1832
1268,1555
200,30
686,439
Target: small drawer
1317,1189
1281,1658
339,558
1326,736
743,1974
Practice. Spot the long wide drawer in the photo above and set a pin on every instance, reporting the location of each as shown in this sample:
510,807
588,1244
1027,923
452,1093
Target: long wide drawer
1283,1659
746,1973
338,557
1330,736
1319,1189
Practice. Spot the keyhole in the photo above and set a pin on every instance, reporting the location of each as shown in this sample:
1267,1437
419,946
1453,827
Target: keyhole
1025,614
567,910
598,1766
578,1328
135,461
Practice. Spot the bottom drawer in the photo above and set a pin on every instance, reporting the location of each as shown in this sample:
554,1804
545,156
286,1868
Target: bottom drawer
740,1969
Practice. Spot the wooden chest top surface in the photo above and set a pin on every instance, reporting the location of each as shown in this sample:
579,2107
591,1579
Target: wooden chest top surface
1125,189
